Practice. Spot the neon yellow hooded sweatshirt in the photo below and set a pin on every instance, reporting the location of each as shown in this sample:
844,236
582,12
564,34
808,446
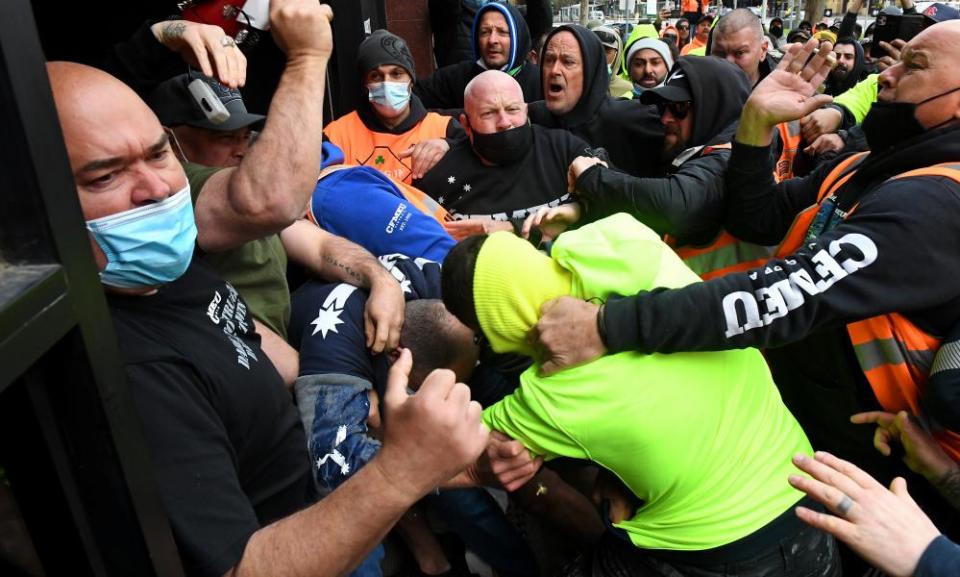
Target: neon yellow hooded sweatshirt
703,439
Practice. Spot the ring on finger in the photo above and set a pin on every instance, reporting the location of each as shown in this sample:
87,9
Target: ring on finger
227,42
843,507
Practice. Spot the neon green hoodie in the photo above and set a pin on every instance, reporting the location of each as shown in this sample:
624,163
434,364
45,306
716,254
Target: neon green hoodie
859,99
703,439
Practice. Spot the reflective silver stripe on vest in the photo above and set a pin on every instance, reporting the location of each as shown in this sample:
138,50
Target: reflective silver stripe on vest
878,352
947,359
729,255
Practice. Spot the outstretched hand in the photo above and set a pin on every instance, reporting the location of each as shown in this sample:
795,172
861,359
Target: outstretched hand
886,528
788,93
921,452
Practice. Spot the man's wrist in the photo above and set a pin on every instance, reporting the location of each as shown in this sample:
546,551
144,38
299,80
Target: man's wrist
753,129
602,325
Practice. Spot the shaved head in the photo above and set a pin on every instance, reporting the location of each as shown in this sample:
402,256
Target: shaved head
736,21
89,101
491,81
119,154
927,74
493,102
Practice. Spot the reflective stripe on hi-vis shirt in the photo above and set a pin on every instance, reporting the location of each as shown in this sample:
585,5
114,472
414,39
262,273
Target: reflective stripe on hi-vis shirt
894,354
724,256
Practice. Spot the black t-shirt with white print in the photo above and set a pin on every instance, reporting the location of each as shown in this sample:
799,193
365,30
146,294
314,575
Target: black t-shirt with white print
225,439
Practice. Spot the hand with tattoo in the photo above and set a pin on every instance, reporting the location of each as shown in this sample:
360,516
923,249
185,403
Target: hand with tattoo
922,453
205,47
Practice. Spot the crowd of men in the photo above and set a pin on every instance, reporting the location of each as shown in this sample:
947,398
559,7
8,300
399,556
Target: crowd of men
705,273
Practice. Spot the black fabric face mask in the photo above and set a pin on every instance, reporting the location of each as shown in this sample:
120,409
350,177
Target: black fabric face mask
776,32
504,148
890,123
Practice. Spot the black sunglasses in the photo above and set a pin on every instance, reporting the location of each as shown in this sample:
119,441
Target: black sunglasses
679,110
670,37
683,28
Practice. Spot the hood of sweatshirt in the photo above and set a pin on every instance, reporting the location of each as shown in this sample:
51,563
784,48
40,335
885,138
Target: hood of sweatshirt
596,81
720,89
837,87
618,60
519,36
614,255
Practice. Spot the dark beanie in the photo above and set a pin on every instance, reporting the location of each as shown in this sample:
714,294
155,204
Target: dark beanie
381,48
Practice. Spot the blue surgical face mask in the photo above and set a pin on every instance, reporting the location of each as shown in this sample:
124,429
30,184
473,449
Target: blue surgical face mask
393,95
149,245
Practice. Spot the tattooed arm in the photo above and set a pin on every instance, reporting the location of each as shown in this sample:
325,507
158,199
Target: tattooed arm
335,258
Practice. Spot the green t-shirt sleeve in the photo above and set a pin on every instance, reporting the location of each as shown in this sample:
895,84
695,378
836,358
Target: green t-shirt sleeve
519,418
859,99
197,176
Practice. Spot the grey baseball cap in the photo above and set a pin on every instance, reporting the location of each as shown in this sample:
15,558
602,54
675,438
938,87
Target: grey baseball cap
174,105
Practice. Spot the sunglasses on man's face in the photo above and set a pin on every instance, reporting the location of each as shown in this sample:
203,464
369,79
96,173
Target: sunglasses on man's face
678,110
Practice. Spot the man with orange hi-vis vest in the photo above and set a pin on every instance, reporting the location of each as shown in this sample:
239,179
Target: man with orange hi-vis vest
854,307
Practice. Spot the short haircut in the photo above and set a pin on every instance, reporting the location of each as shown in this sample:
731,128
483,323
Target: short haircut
456,282
846,40
736,21
426,332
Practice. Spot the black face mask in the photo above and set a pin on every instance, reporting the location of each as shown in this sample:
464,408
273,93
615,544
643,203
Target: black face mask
504,148
776,32
890,123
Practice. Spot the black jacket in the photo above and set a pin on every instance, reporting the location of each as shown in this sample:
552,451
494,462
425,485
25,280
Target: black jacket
444,89
467,188
630,132
686,201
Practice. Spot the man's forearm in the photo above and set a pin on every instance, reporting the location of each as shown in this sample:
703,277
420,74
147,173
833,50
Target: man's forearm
343,260
270,188
332,536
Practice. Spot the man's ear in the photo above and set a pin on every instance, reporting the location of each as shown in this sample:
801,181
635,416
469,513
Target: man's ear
465,123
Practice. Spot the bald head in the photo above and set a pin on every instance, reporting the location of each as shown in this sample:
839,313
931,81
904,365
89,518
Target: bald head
493,102
491,82
89,101
933,82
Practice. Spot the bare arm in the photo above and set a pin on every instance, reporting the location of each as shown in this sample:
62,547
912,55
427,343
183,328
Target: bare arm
269,189
429,437
335,258
284,358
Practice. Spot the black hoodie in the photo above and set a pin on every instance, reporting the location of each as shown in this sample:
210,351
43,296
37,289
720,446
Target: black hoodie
900,247
686,200
630,132
835,87
444,89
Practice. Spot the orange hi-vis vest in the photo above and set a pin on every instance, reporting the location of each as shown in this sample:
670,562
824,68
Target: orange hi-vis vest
894,354
381,150
726,254
790,139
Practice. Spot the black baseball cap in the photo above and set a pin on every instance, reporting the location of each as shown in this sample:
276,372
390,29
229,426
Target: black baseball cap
676,88
174,105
